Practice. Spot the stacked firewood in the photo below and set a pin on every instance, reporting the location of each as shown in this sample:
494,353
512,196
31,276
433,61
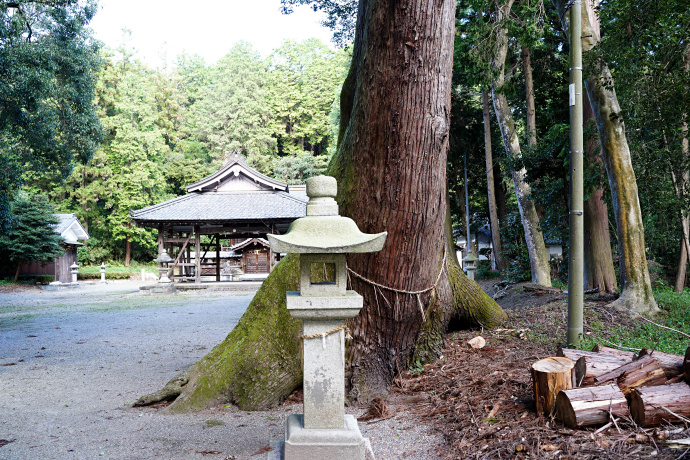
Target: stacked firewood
586,388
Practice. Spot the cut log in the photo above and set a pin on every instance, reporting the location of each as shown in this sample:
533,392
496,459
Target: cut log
686,366
620,354
671,364
647,363
595,363
645,372
590,405
550,376
652,406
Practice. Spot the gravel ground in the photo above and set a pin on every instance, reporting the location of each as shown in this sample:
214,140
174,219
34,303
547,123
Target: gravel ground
72,362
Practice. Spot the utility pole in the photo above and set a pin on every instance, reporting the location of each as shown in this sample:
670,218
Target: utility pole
576,259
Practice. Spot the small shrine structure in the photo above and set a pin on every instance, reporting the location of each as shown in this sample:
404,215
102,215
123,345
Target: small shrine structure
222,222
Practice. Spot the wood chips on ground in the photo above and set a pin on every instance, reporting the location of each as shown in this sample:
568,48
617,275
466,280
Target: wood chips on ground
481,400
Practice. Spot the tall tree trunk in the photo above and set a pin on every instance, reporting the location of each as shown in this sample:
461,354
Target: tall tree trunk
390,167
497,259
636,287
16,272
682,268
599,272
128,251
529,92
538,256
391,172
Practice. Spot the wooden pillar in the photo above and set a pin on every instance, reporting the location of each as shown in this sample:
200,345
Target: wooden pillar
197,254
161,239
186,270
217,256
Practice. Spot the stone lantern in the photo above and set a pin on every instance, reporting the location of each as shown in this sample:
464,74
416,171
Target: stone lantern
163,260
470,265
74,268
103,272
322,239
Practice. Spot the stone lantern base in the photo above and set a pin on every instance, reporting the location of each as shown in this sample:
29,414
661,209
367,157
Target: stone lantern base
304,443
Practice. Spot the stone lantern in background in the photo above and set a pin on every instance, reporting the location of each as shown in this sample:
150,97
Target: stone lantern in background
103,272
164,285
74,268
470,265
322,239
163,260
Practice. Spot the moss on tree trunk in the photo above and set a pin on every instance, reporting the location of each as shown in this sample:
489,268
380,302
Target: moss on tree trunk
259,363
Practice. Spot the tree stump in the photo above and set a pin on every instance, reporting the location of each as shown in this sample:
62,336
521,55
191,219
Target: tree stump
550,376
686,366
588,406
670,363
652,406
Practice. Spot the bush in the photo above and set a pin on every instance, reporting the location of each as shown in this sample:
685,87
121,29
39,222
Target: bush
484,271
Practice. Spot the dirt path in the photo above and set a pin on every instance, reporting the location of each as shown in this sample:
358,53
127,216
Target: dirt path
73,361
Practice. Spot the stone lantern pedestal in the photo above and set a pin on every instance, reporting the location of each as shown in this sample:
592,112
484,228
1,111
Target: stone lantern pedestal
322,239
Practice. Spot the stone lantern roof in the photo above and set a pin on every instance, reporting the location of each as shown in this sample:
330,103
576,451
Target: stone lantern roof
323,231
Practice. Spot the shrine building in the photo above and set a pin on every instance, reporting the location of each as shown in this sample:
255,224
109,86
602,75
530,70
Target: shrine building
218,229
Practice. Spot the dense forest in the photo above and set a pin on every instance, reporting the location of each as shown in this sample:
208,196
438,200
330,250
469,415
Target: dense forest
98,132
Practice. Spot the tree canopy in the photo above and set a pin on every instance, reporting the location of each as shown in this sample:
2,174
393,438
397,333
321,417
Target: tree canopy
48,65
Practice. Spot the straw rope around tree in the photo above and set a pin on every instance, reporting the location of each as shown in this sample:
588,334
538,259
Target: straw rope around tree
379,287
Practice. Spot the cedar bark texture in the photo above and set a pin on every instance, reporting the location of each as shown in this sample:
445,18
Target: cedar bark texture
390,167
549,376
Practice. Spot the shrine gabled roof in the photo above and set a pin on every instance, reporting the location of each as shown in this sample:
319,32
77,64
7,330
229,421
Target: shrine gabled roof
224,207
237,175
70,228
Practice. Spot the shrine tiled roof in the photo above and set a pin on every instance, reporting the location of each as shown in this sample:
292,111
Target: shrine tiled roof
224,206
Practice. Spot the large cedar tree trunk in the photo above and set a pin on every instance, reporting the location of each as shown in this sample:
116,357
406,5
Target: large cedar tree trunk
390,167
391,170
599,271
534,238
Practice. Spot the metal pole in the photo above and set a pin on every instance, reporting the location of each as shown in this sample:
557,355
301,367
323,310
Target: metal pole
467,208
575,261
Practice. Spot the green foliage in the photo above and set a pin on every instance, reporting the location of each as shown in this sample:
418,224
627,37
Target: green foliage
675,314
31,235
234,112
341,16
47,69
113,272
484,271
300,167
515,250
646,47
304,79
